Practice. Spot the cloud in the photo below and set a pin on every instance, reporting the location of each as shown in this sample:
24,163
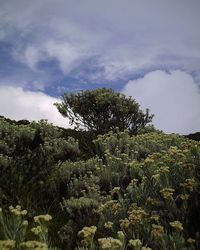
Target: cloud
67,45
173,97
17,104
37,85
126,36
30,56
65,53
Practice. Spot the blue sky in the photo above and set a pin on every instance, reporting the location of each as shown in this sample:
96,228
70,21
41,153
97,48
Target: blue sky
147,49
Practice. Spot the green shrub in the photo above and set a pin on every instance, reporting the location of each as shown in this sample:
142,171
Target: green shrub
29,153
139,192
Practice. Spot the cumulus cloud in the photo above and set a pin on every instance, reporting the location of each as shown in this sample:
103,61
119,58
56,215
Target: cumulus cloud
173,97
17,104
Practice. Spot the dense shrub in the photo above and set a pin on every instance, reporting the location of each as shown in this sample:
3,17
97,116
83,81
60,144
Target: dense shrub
28,153
138,192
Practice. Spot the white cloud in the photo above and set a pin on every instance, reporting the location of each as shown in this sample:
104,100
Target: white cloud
30,55
37,85
121,38
173,97
68,55
65,53
17,104
126,36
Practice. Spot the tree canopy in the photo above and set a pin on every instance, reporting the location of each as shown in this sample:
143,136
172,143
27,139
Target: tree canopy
102,110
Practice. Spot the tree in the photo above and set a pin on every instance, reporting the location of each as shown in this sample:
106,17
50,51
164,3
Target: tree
102,110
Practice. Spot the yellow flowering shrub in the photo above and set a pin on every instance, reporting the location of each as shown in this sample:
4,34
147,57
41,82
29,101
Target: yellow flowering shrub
110,243
139,192
7,244
136,244
87,235
167,193
157,231
177,225
158,179
14,229
108,225
33,245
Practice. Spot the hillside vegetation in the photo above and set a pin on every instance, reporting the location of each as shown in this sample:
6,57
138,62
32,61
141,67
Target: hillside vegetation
68,189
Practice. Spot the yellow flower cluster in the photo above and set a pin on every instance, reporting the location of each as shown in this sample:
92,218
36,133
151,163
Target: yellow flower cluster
109,243
133,183
36,230
191,241
189,184
115,190
124,224
155,177
167,193
177,225
163,170
148,161
33,245
7,244
116,208
157,231
40,218
108,225
174,151
87,231
155,218
184,197
151,201
156,156
87,234
114,205
136,214
135,243
17,211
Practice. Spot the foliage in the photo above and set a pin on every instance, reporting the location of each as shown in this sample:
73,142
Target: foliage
150,182
85,139
139,192
28,154
102,110
143,186
195,136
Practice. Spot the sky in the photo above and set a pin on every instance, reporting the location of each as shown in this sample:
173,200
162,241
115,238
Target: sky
147,49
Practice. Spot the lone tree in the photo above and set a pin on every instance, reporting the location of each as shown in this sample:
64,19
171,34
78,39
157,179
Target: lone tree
102,110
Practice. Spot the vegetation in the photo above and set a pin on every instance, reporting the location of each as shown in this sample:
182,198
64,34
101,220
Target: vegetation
102,110
119,192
